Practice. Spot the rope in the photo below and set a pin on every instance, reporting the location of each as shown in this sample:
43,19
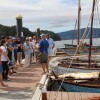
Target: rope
74,54
70,63
88,33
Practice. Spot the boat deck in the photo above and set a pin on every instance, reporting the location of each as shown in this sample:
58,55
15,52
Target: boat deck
51,95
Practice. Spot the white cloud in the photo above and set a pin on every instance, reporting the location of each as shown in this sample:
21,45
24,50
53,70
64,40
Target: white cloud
46,14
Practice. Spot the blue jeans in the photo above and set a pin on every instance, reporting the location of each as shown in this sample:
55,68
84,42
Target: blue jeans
1,69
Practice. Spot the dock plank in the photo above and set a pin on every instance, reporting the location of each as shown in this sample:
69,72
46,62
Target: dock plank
77,96
72,96
84,96
96,96
65,96
90,95
59,96
48,94
51,95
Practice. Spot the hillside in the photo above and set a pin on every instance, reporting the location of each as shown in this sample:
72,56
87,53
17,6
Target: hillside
11,30
72,34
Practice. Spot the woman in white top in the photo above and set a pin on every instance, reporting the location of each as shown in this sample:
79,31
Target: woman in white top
27,52
4,59
36,50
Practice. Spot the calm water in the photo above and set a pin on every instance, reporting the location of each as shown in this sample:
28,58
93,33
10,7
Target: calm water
60,44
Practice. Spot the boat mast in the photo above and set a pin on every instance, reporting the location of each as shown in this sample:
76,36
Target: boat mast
91,32
74,32
78,25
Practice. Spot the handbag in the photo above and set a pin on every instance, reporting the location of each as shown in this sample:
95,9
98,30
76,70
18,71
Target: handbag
42,56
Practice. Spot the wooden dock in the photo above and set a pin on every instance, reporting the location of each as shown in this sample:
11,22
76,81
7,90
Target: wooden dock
22,84
51,95
54,95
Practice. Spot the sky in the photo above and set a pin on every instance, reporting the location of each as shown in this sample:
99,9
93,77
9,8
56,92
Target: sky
52,15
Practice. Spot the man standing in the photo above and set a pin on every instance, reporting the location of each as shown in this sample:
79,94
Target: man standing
43,47
14,45
51,46
19,50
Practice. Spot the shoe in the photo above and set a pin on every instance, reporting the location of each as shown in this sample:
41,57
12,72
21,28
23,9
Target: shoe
7,79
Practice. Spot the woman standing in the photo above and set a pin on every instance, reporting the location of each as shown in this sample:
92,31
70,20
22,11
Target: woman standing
36,50
27,52
1,70
4,59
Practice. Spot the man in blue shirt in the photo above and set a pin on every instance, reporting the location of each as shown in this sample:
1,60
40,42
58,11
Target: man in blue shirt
14,45
43,48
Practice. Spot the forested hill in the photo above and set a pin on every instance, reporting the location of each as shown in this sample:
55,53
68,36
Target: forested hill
11,30
72,34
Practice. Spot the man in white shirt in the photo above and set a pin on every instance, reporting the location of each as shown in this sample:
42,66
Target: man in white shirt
51,46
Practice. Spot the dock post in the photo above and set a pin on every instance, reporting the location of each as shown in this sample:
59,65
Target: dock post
19,25
44,94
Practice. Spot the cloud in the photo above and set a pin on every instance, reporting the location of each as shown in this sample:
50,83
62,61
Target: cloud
47,14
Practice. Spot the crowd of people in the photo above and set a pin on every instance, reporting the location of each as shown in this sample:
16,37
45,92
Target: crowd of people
13,52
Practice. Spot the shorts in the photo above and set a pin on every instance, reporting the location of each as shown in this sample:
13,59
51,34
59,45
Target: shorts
44,61
50,52
1,68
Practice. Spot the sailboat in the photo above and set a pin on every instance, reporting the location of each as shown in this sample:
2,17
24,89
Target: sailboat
82,82
85,63
79,82
72,47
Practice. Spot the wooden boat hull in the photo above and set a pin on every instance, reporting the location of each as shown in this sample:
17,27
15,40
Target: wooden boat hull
62,70
76,88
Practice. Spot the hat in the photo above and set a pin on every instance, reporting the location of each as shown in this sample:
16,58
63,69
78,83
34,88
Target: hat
42,34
